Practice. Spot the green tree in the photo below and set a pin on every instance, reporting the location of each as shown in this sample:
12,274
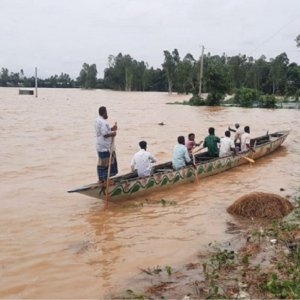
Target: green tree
278,71
217,86
4,77
246,97
236,67
170,66
293,79
186,75
88,76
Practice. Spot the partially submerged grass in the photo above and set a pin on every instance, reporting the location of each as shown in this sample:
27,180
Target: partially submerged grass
267,266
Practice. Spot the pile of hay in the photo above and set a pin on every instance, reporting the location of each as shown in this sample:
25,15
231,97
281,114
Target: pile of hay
261,205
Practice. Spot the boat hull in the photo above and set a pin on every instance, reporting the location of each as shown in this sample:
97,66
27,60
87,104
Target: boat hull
125,187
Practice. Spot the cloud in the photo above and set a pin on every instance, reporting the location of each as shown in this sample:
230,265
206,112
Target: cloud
59,36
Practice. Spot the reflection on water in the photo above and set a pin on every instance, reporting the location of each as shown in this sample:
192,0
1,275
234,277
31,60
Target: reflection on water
58,245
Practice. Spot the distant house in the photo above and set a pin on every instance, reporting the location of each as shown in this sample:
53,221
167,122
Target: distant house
26,91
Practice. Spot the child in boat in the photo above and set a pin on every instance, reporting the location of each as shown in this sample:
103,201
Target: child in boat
191,144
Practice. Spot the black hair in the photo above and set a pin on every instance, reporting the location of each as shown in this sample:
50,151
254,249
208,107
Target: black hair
143,145
211,130
102,110
227,133
181,140
190,135
247,129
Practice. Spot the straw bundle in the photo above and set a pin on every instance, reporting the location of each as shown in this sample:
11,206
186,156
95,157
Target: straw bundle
261,205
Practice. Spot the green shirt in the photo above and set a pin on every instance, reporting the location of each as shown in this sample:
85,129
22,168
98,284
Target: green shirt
211,142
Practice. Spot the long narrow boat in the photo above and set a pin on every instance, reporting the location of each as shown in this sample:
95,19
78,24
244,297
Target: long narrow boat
130,185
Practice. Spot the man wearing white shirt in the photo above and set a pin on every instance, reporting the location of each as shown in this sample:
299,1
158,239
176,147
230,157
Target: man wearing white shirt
104,143
238,135
142,160
226,145
245,140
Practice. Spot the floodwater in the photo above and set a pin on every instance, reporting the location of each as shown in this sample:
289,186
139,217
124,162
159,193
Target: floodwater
60,245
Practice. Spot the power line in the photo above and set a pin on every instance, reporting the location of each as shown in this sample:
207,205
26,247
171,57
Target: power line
273,35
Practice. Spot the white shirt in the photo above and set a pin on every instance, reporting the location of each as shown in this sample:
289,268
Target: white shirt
238,134
245,140
102,128
225,146
141,161
180,156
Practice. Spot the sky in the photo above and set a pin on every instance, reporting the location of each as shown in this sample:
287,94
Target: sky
60,35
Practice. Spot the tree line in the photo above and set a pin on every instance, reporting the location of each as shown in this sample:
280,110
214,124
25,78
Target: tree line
222,75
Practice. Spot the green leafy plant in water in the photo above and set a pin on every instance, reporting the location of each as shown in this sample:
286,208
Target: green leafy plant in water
282,288
245,259
222,258
169,270
133,295
211,269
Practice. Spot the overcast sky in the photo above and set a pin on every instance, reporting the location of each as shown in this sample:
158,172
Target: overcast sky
60,35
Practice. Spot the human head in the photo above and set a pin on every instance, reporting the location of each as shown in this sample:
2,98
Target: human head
103,112
191,136
227,133
211,130
247,129
237,125
180,140
143,145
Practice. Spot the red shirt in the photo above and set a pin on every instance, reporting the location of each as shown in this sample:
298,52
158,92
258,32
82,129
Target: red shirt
190,145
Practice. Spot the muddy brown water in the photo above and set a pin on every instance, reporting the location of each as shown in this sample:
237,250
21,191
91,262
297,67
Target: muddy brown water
60,245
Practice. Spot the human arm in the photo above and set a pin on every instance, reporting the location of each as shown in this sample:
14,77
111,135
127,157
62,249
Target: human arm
113,131
230,129
132,164
152,158
199,144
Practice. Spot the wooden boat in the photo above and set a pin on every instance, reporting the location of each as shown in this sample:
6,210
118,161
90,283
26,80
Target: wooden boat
130,185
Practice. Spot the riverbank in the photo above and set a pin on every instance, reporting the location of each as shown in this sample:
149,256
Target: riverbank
260,261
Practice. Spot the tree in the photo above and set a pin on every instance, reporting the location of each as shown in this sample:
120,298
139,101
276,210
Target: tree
278,70
88,76
186,75
293,80
4,77
170,66
217,86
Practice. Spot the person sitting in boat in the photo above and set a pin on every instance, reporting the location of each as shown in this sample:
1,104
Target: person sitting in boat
245,140
238,135
181,156
226,145
191,144
142,160
105,149
211,143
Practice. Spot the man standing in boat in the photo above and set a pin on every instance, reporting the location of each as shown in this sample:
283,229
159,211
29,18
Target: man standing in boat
238,135
105,146
246,139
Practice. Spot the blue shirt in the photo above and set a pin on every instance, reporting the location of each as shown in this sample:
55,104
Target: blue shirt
180,156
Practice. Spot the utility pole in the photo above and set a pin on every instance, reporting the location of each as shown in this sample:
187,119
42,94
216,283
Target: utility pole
36,82
201,72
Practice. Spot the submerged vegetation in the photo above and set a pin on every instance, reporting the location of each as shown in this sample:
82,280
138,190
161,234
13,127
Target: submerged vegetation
266,265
